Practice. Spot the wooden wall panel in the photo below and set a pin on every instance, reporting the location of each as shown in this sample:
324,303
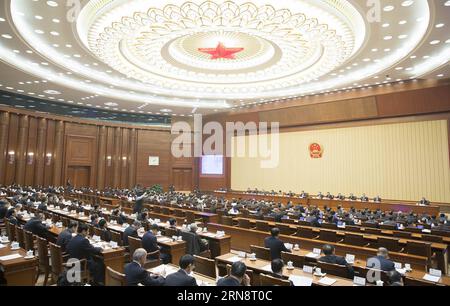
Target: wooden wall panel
4,131
76,146
30,161
354,109
22,140
153,143
40,154
49,149
430,100
12,146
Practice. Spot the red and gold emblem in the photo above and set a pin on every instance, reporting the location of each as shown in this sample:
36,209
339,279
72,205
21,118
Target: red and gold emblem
315,150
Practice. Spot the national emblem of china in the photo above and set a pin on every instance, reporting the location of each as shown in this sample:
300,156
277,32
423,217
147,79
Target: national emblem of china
315,150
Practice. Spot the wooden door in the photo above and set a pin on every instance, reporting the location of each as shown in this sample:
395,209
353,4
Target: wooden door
79,176
182,179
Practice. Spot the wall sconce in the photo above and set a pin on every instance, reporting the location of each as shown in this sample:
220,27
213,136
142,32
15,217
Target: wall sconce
30,158
48,159
108,161
11,157
124,161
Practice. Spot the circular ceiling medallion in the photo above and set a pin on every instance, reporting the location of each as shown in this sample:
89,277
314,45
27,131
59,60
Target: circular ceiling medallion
231,47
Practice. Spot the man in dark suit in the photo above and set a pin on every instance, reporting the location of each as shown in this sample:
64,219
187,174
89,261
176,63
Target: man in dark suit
395,279
330,257
182,277
35,226
381,261
80,248
364,198
237,277
275,245
66,235
277,266
149,240
105,233
135,273
131,231
43,206
139,203
377,199
4,207
424,201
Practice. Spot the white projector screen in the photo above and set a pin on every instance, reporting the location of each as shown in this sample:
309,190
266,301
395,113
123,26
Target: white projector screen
212,165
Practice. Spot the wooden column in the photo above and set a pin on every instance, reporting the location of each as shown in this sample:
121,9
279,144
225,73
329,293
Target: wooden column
4,130
132,161
40,152
58,154
101,158
21,150
117,159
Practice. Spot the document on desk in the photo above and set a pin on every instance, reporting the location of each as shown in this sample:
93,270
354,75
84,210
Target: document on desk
235,259
327,281
10,257
267,268
301,281
312,255
431,278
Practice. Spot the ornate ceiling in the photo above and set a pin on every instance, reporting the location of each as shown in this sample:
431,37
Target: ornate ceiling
183,57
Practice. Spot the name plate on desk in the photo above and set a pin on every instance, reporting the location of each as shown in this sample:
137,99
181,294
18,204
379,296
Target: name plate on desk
308,269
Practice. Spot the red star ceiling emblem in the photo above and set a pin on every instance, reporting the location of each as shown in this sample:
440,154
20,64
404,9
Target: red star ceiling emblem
221,51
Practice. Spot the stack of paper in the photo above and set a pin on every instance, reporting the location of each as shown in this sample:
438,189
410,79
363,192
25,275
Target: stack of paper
431,278
10,257
301,281
327,281
234,259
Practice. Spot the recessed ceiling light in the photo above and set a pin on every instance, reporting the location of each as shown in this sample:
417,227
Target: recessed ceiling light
52,92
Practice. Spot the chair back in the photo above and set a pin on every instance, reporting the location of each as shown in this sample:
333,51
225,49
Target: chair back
298,261
333,269
414,282
11,229
117,237
401,234
262,226
285,229
19,237
372,231
354,239
327,235
419,248
353,228
244,223
432,238
114,278
166,211
28,240
134,244
226,220
261,253
371,275
306,232
391,244
267,280
56,259
249,273
205,266
329,225
42,251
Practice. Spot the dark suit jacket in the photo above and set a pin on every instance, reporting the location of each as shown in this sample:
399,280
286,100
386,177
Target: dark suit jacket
384,264
13,220
36,226
180,279
79,247
276,246
228,282
3,211
63,239
135,274
129,232
150,243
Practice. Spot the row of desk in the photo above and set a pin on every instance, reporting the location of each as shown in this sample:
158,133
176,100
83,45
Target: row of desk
385,205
